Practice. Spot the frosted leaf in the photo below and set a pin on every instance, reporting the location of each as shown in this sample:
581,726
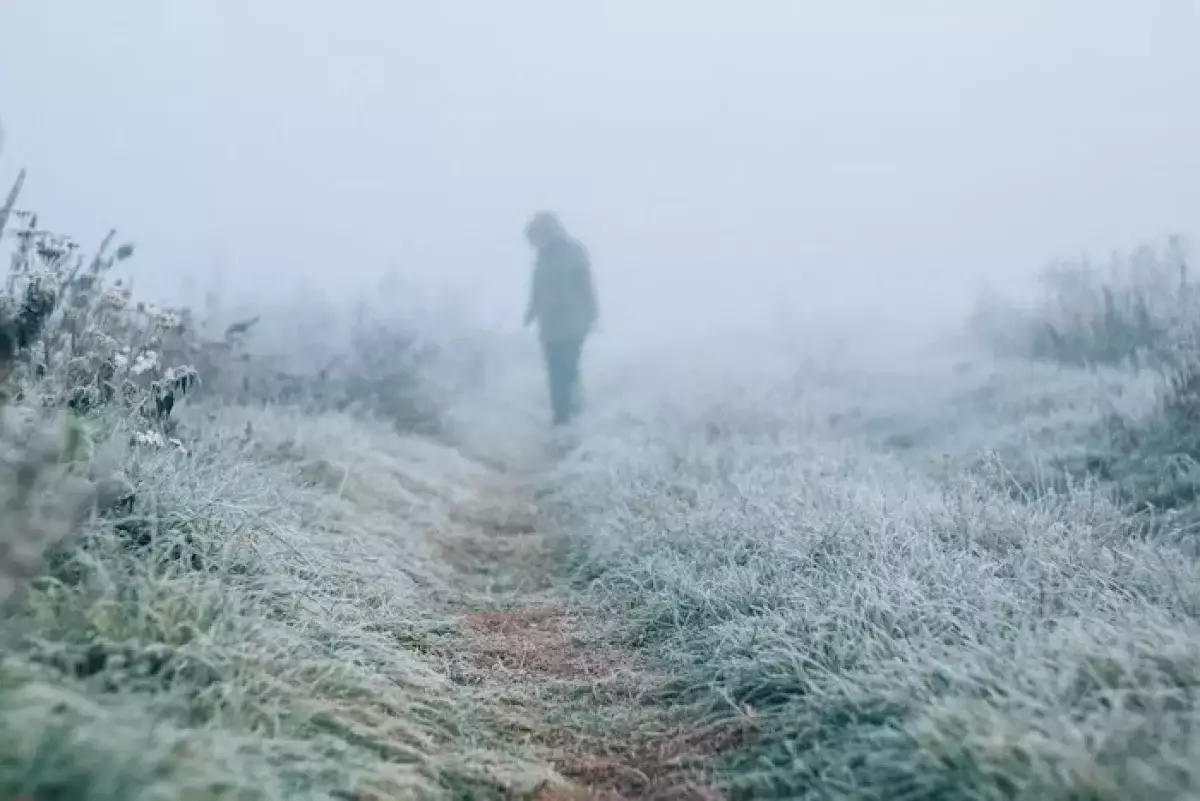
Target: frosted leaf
145,362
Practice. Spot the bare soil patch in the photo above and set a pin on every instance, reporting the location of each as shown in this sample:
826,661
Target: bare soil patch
669,765
539,641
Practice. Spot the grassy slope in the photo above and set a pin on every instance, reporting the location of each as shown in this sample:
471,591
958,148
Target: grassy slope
814,585
894,622
311,657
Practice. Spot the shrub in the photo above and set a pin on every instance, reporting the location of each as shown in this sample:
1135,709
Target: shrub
1129,310
1153,462
388,357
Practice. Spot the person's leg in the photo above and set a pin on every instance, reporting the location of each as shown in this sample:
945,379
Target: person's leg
558,376
574,351
551,369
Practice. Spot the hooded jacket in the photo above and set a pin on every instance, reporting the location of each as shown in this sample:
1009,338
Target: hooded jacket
562,297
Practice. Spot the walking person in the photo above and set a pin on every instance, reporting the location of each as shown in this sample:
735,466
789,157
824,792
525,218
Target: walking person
562,300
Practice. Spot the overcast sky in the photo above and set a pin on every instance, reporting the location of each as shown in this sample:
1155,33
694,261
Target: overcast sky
717,157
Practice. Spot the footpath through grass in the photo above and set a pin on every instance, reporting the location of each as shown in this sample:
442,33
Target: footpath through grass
766,588
322,608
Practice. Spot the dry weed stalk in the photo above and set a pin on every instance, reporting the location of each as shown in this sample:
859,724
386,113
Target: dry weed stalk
71,343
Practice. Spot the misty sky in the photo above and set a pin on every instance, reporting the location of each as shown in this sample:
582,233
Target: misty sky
718,158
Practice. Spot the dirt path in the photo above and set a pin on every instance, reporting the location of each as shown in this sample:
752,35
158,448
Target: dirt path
558,685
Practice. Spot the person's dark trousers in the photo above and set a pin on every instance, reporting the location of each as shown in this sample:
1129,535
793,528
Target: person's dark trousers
562,371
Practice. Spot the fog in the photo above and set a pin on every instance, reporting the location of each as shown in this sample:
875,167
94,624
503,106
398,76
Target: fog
724,163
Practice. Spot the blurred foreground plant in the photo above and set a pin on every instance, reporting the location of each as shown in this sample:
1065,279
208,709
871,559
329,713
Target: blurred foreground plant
72,343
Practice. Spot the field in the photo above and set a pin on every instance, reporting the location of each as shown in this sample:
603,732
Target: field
941,574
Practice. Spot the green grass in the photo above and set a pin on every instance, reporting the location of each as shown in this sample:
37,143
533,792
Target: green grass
900,623
293,660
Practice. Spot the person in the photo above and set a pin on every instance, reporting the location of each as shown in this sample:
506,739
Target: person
562,300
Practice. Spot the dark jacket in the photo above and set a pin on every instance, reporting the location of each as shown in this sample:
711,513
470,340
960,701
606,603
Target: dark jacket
562,297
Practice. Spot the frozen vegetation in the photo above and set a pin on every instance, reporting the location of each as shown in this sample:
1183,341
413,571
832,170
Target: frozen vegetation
754,573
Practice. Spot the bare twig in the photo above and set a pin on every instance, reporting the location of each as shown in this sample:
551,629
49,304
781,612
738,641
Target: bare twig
11,201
